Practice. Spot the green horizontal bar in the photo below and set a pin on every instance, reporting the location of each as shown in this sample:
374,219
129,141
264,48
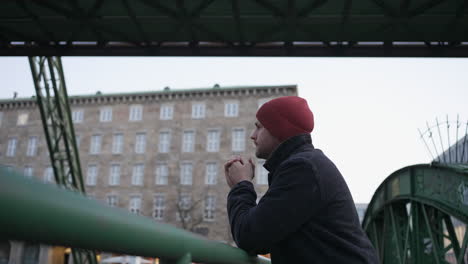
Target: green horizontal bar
44,213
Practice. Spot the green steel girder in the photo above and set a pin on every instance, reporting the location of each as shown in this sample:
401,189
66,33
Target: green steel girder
414,214
45,213
53,104
52,100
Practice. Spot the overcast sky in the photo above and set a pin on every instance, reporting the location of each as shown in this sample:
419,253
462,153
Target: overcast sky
367,111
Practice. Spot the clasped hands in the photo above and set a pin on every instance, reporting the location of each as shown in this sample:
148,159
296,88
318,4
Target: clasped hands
237,169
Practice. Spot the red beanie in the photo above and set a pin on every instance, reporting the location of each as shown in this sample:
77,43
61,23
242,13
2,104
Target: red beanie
285,117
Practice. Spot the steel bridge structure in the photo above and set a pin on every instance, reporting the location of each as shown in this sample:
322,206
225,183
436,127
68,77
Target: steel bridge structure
414,215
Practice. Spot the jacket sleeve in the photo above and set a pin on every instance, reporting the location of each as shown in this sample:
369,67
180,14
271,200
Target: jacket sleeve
292,199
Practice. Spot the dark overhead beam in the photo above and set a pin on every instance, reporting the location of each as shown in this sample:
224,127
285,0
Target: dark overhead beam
45,31
268,5
132,15
421,9
330,49
237,20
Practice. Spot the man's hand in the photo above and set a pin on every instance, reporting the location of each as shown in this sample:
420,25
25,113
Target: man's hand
236,170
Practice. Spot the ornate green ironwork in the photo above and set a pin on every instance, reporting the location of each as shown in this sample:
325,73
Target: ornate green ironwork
52,100
48,214
419,215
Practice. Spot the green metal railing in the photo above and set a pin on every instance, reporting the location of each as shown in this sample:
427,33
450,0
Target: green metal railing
44,213
419,215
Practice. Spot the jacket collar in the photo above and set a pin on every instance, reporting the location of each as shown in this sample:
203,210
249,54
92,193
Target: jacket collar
285,149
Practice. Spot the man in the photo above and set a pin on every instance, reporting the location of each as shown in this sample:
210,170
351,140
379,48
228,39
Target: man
307,215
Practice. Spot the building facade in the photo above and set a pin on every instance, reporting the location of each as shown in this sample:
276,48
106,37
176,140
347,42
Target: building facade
157,154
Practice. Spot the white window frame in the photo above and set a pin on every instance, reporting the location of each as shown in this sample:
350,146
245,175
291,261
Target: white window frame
164,145
198,110
28,171
159,206
92,174
184,203
134,204
77,116
188,140
209,208
186,173
95,144
211,173
238,139
213,137
161,174
135,113
166,112
231,108
112,200
49,174
105,114
140,142
32,146
22,119
11,147
78,141
261,174
115,170
117,143
138,174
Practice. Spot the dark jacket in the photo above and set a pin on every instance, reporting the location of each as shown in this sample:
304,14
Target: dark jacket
306,216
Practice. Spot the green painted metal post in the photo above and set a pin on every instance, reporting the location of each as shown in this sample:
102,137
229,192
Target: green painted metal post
52,99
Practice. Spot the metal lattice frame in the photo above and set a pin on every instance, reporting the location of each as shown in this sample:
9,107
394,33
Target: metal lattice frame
234,28
419,215
52,100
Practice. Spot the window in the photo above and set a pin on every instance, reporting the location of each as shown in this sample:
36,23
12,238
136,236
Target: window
135,204
198,110
238,139
11,148
140,143
112,200
91,175
186,173
1,118
137,174
164,141
105,114
22,119
117,143
162,174
114,175
210,206
211,173
77,116
188,141
32,146
49,174
212,140
78,141
28,171
159,206
167,112
184,204
136,113
262,173
231,109
95,147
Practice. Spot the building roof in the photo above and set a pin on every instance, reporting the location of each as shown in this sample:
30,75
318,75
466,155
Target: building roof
234,28
166,91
